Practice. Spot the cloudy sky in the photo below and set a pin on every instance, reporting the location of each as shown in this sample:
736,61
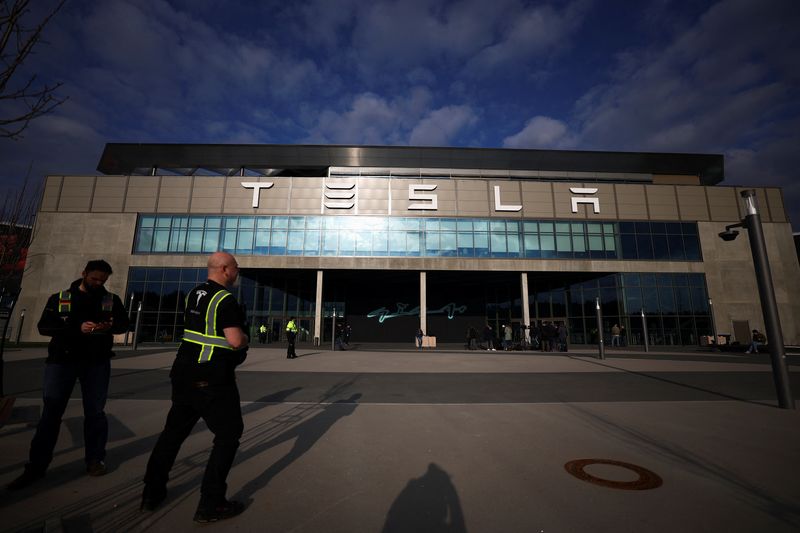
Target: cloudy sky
655,75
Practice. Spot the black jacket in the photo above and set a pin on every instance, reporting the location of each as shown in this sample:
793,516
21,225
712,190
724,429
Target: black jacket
68,344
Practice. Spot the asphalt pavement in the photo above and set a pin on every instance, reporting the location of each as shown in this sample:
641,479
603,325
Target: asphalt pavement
389,439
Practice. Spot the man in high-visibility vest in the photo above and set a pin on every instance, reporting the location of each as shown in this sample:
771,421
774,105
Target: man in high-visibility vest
262,334
204,386
81,322
291,335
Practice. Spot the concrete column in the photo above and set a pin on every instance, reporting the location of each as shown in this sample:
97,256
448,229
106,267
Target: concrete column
423,303
526,312
318,311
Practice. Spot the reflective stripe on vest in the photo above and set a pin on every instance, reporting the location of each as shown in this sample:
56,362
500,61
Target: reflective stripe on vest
65,301
208,341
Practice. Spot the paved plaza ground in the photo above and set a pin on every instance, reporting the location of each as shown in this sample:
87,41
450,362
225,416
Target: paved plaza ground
384,440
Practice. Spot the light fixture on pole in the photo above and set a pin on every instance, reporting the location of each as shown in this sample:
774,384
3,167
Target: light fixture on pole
715,342
766,292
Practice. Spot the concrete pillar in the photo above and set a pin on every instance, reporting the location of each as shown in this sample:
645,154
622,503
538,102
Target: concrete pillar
318,311
423,303
526,312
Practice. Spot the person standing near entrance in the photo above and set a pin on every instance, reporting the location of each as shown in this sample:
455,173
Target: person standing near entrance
204,386
615,335
262,333
291,335
80,321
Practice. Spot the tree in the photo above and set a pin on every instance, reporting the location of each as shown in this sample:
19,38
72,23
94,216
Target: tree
25,100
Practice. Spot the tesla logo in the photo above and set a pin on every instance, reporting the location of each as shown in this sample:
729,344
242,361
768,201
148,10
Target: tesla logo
594,202
200,294
342,194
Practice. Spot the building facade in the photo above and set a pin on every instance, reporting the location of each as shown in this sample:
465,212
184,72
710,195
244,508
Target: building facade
392,239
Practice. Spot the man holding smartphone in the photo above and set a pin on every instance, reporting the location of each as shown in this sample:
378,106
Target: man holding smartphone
81,322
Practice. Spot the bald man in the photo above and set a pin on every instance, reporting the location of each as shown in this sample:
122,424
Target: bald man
204,386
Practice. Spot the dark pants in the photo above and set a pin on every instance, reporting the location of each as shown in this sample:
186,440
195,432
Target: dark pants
290,350
219,406
59,380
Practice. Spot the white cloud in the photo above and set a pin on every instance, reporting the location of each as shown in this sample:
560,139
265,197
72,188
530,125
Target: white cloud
442,125
541,132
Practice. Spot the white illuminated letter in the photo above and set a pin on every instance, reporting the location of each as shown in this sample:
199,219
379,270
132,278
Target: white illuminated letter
340,191
498,206
595,202
256,186
414,195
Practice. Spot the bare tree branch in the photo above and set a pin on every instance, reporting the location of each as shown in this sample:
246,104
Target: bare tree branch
17,41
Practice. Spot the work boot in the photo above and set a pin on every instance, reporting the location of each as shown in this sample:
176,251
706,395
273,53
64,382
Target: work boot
152,498
96,468
221,511
27,478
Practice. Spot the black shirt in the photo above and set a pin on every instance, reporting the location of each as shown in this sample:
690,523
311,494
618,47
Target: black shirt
220,368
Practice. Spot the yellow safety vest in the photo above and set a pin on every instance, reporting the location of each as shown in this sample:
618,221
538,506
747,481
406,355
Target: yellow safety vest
207,339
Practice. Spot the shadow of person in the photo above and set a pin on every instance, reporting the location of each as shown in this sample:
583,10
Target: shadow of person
306,434
427,504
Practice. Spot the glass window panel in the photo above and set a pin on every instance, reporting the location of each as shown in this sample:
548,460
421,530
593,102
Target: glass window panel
294,245
628,243
280,222
311,245
194,242
465,240
648,279
145,241
688,228
380,242
482,244
448,224
650,299
214,222
277,242
347,243
163,222
513,244
263,223
161,240
547,242
498,243
229,241
594,228
147,221
608,229
330,242
480,225
627,227
699,300
658,228
464,225
262,238
578,227
431,224
397,242
562,227
512,226
610,243
683,301
297,223
664,279
498,226
531,242
692,248
563,243
211,241
696,280
432,242
631,280
666,299
660,247
447,243
531,227
642,227
247,222
676,251
230,223
313,222
413,242
644,245
245,242
578,243
633,299
197,222
595,242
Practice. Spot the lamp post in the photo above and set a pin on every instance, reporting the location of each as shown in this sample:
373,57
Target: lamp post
766,292
600,349
644,332
21,321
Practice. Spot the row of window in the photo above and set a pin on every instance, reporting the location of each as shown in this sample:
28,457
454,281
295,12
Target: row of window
416,237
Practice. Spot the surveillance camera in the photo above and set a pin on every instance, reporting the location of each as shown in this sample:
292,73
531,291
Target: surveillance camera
728,235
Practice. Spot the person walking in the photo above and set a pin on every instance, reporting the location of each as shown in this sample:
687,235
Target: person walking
262,333
291,336
80,322
562,337
615,335
488,337
204,386
419,336
508,336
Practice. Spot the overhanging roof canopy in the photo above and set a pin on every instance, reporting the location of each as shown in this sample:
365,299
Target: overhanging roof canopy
314,160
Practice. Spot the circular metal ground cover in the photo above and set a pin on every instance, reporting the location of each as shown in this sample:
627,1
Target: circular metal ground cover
647,479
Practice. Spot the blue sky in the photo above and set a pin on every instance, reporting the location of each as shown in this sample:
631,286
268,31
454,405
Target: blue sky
657,75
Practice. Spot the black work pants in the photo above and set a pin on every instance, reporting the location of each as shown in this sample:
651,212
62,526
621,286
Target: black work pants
290,349
219,406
